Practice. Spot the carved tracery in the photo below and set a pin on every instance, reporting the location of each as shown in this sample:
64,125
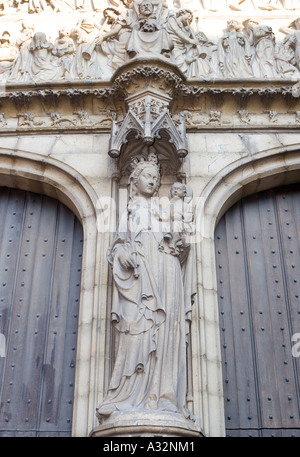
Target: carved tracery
148,118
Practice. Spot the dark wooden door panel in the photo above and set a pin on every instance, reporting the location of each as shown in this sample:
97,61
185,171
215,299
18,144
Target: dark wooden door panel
258,265
40,270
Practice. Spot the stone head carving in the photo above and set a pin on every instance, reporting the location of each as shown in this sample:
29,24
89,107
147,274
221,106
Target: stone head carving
233,24
146,7
186,16
63,32
250,24
178,190
39,41
136,181
111,15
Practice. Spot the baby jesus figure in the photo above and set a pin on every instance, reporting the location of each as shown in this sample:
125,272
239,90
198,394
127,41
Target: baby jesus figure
177,219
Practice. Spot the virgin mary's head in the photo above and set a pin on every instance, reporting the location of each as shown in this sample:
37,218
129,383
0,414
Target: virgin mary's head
144,179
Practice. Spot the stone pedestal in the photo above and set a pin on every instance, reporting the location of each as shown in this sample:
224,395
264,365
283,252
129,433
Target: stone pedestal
149,424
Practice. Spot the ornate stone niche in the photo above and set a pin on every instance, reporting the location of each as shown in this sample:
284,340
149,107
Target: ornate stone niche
148,118
147,124
147,137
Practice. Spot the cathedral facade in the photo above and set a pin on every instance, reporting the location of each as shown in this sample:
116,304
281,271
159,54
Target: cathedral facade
205,95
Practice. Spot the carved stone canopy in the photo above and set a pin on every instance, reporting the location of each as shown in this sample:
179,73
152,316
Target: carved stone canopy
148,118
170,163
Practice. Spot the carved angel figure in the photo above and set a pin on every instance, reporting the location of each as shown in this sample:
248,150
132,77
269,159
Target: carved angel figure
150,310
235,52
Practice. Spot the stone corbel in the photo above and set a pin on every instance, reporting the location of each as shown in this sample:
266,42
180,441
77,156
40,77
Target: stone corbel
147,117
267,94
21,100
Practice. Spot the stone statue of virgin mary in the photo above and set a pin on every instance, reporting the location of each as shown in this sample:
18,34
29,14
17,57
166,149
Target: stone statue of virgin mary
150,310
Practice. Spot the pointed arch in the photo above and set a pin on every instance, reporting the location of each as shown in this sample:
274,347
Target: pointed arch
251,174
45,175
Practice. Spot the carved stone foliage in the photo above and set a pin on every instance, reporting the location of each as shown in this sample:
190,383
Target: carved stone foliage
151,115
56,120
95,47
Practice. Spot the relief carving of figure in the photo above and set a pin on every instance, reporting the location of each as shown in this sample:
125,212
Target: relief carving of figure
83,36
44,66
293,32
285,58
235,52
199,57
150,310
110,44
8,54
263,40
64,50
148,36
178,27
21,67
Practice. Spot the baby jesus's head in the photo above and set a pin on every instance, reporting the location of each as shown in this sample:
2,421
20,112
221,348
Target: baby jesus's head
178,190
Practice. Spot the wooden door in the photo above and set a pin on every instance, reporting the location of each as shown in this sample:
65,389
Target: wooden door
258,271
40,271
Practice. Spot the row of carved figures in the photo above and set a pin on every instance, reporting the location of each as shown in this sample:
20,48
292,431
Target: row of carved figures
81,119
56,6
92,51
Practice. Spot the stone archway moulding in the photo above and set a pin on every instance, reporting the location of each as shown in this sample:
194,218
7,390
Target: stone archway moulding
246,176
259,172
36,173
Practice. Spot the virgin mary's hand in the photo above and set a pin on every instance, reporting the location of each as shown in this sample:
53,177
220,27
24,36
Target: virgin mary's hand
125,259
